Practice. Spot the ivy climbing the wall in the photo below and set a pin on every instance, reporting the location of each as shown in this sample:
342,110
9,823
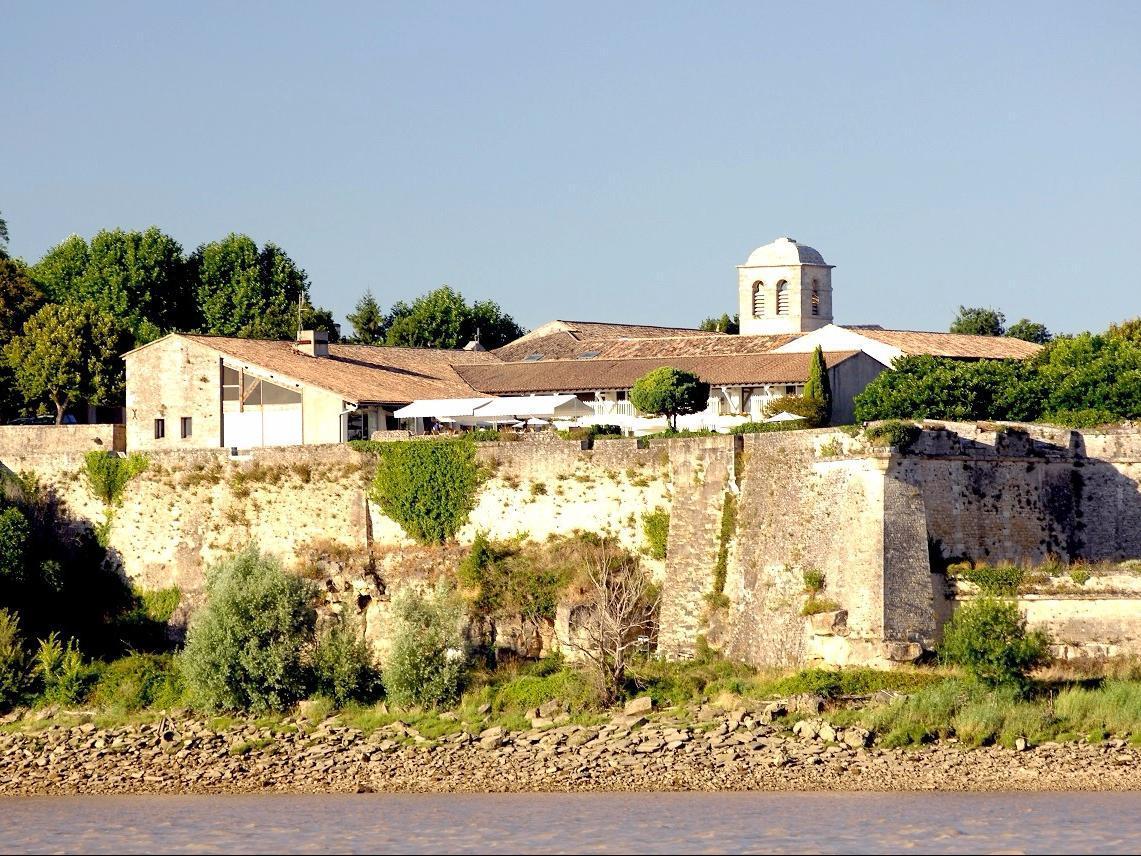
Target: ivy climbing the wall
427,486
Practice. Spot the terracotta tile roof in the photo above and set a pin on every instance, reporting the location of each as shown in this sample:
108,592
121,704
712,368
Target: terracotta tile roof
557,340
360,373
604,374
953,344
693,346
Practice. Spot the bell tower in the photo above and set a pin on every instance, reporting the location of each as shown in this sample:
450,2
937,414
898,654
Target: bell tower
784,287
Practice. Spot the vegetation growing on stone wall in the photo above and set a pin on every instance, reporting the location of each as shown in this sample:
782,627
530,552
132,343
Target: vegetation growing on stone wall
427,486
769,427
814,583
717,597
894,434
988,637
429,661
108,474
517,578
590,433
656,530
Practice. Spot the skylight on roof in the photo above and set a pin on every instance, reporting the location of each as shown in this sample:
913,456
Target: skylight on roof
532,358
588,355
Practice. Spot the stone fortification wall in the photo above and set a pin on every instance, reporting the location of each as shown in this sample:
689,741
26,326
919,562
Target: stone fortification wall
1020,493
25,442
809,500
815,500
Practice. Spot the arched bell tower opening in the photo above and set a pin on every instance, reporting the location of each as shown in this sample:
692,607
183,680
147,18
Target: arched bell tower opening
784,287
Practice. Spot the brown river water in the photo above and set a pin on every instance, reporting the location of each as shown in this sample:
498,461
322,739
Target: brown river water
562,823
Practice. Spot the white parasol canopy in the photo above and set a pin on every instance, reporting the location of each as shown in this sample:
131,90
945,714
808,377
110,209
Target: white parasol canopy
448,409
549,407
785,417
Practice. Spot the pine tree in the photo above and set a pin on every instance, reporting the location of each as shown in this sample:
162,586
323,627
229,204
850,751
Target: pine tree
370,326
818,387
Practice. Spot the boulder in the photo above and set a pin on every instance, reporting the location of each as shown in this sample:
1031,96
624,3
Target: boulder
857,738
808,703
832,623
551,709
772,711
806,729
902,652
640,705
826,733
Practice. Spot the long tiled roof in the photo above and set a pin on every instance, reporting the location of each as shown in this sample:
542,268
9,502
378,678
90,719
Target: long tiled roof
558,340
693,346
360,373
604,374
953,344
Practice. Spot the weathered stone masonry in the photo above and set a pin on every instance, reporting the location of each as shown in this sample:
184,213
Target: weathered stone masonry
867,518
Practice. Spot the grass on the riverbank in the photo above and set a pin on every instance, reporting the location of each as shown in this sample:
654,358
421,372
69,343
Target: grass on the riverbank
938,702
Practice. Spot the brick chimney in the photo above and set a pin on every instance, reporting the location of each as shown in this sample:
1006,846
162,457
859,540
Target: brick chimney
314,343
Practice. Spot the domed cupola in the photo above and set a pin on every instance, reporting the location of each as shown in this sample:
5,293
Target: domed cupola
784,287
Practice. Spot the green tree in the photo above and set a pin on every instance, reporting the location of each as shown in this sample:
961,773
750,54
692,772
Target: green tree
819,387
19,300
724,324
140,277
443,319
245,291
3,238
1029,331
1127,330
69,353
988,637
319,318
247,647
979,321
670,392
370,325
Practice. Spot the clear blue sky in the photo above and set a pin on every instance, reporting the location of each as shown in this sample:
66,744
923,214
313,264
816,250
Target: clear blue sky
600,160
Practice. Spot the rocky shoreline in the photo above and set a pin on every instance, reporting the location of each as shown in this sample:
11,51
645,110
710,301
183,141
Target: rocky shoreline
703,750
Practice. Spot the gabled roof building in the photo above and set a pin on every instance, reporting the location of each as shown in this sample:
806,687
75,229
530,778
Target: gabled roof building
186,390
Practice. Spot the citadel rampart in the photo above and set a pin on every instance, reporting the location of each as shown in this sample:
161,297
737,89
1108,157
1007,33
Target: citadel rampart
880,525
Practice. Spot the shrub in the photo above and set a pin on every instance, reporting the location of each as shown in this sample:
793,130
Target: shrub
13,666
160,604
769,427
901,435
1088,418
813,411
656,529
246,647
819,387
343,668
988,638
538,489
108,474
139,681
428,662
991,579
669,392
64,676
427,486
813,581
14,533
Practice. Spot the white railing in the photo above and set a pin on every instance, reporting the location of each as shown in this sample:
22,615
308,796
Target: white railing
612,408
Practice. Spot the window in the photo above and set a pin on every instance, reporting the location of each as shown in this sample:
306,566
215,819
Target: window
758,299
588,355
231,384
160,429
815,297
186,427
782,298
746,399
532,358
790,389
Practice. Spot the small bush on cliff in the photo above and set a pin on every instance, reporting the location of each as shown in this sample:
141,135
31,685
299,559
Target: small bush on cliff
63,676
13,665
343,668
428,662
107,474
656,529
991,579
988,638
246,647
427,486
